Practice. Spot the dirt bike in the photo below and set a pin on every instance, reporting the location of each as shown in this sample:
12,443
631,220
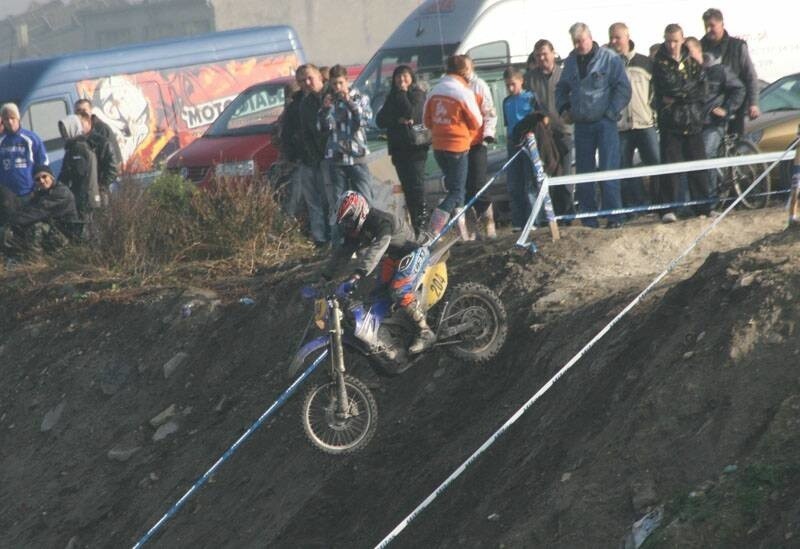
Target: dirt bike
340,414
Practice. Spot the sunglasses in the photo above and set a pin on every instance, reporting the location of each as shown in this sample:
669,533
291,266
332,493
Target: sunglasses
43,177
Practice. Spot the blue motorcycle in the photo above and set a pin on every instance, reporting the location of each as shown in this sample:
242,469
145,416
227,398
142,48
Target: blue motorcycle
340,414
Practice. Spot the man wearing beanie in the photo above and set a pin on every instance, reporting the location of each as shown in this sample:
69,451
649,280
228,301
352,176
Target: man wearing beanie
20,151
42,222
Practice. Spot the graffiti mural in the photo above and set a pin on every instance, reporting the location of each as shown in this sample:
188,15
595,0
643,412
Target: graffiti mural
154,113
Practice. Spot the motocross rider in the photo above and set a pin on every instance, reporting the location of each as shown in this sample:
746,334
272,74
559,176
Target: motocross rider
381,241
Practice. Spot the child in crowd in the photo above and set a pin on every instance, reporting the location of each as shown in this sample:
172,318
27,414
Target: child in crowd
343,116
519,176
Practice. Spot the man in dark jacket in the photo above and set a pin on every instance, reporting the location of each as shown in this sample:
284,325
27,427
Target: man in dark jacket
734,54
305,144
381,241
103,148
79,167
43,222
724,95
680,91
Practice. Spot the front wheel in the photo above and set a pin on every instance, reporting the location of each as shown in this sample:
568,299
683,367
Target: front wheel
477,317
334,432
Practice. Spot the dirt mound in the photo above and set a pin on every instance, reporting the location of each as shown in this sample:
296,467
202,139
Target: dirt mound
113,402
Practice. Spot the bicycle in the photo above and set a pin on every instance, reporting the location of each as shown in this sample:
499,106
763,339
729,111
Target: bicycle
734,180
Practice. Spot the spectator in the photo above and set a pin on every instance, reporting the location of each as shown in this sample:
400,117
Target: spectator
343,116
44,221
734,54
287,144
402,110
679,85
592,92
103,150
79,167
306,144
637,127
476,171
517,105
20,151
541,80
83,107
453,115
325,73
724,96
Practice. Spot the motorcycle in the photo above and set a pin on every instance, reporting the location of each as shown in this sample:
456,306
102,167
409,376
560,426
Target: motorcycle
340,415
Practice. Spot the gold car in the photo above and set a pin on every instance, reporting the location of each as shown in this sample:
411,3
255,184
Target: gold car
777,127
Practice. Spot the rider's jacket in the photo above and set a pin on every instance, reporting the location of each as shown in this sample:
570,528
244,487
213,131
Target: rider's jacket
382,233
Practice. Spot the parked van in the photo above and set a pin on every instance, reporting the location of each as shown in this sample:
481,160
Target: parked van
497,33
157,96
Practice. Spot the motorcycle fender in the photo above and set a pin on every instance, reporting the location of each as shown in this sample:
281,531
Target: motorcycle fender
302,354
315,345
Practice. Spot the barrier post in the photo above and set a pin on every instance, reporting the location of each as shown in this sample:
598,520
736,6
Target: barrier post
532,150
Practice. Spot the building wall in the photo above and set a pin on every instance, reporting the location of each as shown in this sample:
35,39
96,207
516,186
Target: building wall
332,31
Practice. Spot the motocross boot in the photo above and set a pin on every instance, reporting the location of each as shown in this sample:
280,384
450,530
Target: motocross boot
425,338
439,219
462,226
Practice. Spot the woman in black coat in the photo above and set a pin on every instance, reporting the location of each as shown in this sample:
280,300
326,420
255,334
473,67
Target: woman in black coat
402,110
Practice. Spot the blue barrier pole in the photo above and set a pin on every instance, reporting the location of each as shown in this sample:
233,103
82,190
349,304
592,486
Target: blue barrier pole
203,479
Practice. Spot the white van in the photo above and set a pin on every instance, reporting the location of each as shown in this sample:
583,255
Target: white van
496,33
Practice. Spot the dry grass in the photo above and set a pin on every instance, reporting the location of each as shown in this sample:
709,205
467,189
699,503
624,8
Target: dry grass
172,231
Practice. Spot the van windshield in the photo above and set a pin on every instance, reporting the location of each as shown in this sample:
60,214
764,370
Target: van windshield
426,61
253,111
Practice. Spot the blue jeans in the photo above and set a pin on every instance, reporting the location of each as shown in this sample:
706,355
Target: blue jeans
454,166
646,140
601,137
519,179
712,140
343,178
312,185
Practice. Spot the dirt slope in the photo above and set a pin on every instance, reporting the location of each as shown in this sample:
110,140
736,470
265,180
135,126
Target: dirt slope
701,377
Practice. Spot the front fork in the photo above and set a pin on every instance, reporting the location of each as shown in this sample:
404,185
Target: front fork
337,360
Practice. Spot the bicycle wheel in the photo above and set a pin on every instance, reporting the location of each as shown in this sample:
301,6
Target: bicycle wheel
741,177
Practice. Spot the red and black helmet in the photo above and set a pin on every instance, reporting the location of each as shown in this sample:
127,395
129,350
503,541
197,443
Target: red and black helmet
351,212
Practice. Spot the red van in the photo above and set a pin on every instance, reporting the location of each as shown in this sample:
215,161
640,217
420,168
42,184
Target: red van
239,142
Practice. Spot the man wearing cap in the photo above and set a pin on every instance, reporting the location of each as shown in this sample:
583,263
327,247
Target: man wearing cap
41,223
20,151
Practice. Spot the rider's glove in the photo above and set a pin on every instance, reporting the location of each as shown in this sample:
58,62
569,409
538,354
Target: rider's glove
348,286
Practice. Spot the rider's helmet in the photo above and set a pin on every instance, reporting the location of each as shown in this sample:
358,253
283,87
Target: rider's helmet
351,212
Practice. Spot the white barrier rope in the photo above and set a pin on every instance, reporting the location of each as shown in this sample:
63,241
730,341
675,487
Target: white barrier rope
513,419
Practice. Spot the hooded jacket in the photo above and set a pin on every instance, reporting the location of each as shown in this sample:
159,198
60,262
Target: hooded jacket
594,90
452,114
19,153
638,113
680,92
79,168
724,90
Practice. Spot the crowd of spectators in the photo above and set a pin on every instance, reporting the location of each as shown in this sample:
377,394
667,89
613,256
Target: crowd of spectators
599,105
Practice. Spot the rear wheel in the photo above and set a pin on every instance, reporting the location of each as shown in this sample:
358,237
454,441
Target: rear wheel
334,432
478,315
739,178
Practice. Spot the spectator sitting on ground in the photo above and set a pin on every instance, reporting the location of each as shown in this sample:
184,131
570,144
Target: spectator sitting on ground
79,167
724,96
343,117
517,105
541,80
41,225
592,92
679,85
20,151
637,127
734,54
402,110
